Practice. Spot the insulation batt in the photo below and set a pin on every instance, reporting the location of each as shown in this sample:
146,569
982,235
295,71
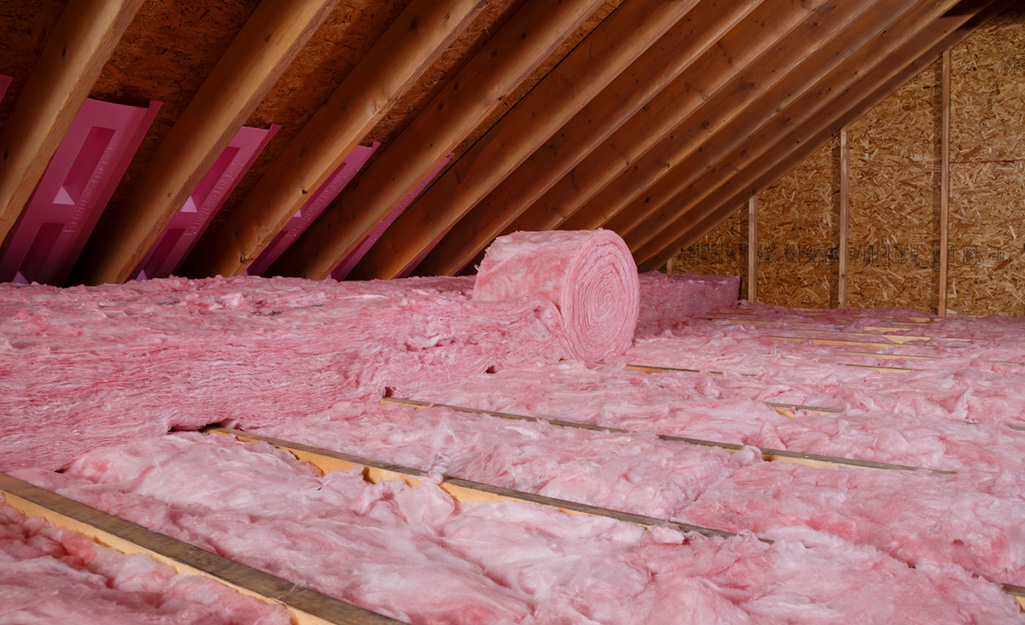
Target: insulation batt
668,300
51,575
412,553
590,275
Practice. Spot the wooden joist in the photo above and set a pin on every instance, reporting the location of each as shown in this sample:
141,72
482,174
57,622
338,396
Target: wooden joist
608,50
73,56
255,60
695,210
817,461
522,44
306,607
423,32
653,82
461,490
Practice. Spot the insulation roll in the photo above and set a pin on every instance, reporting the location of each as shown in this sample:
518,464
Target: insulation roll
590,275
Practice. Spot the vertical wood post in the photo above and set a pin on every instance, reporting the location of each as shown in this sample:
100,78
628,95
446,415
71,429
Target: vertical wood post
944,185
752,248
845,195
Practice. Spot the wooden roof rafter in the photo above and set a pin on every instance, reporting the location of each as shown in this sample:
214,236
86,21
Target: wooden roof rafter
698,213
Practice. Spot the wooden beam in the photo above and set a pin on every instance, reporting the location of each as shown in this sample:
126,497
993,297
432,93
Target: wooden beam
72,58
650,76
421,33
523,43
461,490
256,58
757,170
752,249
306,607
944,186
616,43
811,85
845,177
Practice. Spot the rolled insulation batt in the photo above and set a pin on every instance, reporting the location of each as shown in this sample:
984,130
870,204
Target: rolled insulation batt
590,275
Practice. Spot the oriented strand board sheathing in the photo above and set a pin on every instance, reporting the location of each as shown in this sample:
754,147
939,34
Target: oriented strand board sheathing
25,25
895,199
798,230
987,204
721,252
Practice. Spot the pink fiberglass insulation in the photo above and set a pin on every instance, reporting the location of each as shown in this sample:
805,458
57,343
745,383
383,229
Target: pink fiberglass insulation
590,276
86,366
667,300
920,518
51,575
414,554
634,473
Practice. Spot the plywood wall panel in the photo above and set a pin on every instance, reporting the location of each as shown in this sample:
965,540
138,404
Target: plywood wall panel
25,25
895,199
798,229
721,252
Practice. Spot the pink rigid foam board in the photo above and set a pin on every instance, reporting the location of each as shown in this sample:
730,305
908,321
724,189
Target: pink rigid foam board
343,269
181,233
76,186
312,208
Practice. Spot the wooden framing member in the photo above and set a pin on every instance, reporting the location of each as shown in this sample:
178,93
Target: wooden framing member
461,490
845,195
752,249
71,61
781,75
944,186
697,210
423,31
257,57
652,82
306,607
608,50
522,44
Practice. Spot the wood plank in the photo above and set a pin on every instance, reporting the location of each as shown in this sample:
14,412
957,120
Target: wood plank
919,47
522,44
461,490
257,57
752,249
627,210
944,186
616,43
845,181
74,54
651,82
423,31
817,461
306,607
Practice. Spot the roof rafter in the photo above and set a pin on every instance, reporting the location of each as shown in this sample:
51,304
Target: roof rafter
652,73
929,40
260,53
619,40
423,31
72,58
522,44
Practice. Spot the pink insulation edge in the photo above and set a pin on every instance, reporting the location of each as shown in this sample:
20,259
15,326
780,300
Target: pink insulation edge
312,208
181,233
590,275
76,186
342,270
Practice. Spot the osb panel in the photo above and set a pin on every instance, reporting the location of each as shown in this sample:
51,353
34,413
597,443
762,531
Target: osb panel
25,25
721,252
798,229
895,198
166,54
987,225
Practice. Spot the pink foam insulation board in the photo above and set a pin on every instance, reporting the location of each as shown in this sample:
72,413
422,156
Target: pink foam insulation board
5,82
181,233
312,208
77,184
343,268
